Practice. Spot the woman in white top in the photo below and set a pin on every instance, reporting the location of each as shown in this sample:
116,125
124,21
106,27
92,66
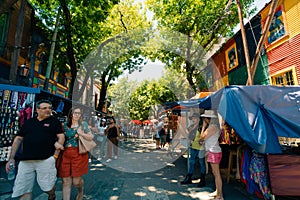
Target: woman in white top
210,135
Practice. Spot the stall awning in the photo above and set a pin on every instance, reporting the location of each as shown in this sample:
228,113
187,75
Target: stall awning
259,114
19,88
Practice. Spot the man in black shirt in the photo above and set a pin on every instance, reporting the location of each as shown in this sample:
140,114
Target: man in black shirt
42,138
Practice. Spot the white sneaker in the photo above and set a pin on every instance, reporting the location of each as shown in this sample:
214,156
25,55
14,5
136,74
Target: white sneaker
108,160
116,157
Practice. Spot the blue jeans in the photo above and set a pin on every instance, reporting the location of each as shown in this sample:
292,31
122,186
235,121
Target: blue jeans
193,153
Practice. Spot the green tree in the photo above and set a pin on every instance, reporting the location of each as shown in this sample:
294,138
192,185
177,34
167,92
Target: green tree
78,33
202,22
177,83
119,94
121,50
147,95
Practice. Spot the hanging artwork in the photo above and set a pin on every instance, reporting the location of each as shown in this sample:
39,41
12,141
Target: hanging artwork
276,29
231,57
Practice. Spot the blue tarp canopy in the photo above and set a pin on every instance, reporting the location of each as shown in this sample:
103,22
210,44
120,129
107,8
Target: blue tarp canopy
19,88
258,114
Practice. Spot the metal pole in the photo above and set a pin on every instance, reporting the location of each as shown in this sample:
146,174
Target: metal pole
51,52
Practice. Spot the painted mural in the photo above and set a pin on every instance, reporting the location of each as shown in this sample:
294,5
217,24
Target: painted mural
277,29
231,57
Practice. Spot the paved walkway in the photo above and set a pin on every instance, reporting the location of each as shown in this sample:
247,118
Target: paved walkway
140,173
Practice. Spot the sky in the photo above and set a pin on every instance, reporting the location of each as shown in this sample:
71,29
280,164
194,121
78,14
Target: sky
154,70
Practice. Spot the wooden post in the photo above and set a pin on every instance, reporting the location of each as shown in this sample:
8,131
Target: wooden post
263,38
245,43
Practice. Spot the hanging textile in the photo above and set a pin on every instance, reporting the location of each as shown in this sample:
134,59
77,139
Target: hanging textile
13,99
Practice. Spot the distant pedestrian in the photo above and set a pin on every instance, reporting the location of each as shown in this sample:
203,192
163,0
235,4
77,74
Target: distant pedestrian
101,138
74,165
210,135
195,150
158,127
163,136
42,138
113,135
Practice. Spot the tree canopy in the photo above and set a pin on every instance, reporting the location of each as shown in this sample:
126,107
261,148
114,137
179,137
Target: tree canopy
147,95
202,22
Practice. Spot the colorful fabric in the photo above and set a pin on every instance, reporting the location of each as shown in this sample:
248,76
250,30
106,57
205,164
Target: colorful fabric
259,173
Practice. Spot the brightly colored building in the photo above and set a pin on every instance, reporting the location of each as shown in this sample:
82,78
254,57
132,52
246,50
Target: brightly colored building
279,62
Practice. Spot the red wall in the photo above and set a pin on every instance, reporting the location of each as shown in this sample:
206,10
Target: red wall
285,55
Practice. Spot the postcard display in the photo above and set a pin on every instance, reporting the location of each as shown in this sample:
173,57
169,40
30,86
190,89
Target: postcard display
15,108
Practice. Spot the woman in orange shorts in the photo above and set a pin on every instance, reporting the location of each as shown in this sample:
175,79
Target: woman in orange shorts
73,165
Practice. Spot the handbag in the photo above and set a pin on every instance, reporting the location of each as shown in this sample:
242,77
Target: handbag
85,145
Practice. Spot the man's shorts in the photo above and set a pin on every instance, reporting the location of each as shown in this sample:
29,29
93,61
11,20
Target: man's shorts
213,157
27,170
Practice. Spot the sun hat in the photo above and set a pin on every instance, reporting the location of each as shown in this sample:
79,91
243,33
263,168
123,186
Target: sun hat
209,114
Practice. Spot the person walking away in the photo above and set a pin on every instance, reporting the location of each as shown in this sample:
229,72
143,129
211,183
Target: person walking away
102,138
113,134
195,150
210,135
163,136
158,128
74,165
42,139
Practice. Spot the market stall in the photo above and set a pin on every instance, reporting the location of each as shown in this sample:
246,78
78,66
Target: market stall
260,115
16,106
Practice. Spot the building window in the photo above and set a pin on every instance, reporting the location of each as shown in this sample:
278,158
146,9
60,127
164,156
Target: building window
278,27
284,78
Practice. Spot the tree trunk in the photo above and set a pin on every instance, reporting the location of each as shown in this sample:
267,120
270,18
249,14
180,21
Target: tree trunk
70,48
102,98
49,66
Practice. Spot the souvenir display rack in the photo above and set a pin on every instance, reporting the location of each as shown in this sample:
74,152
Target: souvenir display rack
16,103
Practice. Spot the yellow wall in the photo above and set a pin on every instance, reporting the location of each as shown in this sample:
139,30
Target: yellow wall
292,12
219,84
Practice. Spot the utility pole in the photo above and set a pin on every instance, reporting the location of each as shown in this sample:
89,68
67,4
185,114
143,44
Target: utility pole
49,66
245,43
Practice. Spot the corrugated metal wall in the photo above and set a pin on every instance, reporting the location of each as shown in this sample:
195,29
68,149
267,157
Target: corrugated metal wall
239,75
285,56
292,10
